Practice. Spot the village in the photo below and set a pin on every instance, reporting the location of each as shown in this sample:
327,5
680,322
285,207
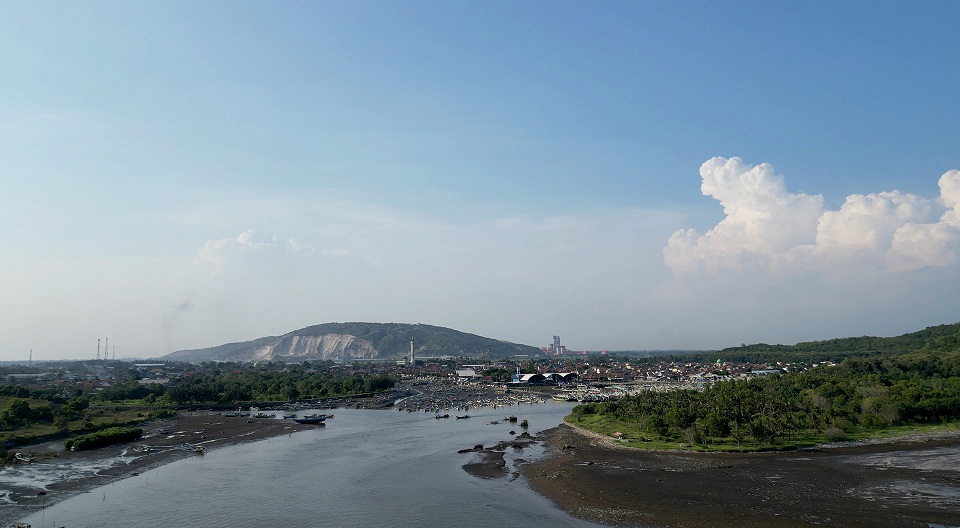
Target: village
580,378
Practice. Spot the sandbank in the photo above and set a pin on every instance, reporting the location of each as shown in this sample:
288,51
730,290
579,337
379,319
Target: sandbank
211,430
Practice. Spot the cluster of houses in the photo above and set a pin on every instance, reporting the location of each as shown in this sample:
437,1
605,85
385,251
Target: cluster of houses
588,371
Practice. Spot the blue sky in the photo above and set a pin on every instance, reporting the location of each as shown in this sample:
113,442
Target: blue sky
182,174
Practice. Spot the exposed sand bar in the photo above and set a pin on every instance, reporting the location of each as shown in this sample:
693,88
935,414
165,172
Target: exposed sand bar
30,487
902,483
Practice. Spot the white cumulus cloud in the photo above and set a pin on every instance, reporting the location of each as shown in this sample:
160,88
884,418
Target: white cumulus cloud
763,220
767,227
931,244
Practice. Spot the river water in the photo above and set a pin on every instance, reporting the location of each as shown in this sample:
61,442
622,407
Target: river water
364,469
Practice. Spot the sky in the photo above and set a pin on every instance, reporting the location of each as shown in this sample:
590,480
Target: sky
627,175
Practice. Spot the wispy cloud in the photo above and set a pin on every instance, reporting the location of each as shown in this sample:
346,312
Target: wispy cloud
215,252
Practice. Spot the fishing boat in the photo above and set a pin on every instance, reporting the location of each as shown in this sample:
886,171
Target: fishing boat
316,419
193,448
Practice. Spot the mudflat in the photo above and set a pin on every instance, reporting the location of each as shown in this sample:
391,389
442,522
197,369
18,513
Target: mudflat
907,482
161,438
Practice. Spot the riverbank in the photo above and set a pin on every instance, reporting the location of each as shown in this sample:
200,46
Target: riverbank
58,474
903,482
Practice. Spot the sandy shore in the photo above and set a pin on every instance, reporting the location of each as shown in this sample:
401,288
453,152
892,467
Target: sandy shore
897,483
109,464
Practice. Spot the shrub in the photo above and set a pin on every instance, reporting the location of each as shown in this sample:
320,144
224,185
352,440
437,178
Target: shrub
110,436
835,433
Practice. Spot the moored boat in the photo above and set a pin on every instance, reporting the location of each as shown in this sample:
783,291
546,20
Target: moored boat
24,457
317,419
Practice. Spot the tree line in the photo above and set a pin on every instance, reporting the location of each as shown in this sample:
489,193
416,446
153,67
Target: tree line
858,395
70,409
243,387
835,350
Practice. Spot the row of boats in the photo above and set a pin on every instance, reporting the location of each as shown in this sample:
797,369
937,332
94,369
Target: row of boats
443,400
312,419
585,395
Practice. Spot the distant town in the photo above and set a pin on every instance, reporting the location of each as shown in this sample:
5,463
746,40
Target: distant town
581,376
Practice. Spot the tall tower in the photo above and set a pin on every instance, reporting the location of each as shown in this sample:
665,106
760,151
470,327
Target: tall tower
98,348
556,345
410,358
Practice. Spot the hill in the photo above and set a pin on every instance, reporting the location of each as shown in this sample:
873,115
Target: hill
350,341
839,349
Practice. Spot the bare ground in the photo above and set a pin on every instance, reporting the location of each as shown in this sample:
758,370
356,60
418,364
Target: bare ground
908,482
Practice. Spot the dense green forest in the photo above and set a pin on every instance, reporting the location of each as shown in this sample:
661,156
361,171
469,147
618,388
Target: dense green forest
855,397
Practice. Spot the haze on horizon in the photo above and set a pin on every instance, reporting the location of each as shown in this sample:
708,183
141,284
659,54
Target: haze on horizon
180,175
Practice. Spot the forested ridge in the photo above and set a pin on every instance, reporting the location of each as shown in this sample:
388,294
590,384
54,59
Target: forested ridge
388,340
832,349
859,396
393,339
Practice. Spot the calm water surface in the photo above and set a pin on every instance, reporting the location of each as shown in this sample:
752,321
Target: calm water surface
364,469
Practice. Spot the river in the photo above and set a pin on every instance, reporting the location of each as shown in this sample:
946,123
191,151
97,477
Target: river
364,469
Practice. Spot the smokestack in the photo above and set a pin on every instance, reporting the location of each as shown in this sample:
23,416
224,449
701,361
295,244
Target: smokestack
98,348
